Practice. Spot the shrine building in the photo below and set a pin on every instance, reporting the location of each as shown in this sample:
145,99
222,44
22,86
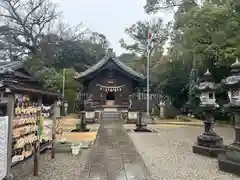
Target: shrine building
110,82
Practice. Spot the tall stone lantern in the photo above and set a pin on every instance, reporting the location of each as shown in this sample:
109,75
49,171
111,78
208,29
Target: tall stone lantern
208,143
229,160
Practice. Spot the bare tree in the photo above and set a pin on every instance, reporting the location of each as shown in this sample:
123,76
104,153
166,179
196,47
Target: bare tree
25,22
153,6
7,50
71,33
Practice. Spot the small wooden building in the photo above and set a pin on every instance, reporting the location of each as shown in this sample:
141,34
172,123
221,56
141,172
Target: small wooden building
21,100
110,82
17,77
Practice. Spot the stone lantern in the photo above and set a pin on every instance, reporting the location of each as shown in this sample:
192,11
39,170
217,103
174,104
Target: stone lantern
208,143
65,105
58,108
229,160
162,109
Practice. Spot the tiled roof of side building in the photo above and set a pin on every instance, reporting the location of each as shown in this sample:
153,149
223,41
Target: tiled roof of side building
13,67
9,66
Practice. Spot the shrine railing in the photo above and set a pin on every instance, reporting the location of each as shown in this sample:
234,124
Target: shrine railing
157,98
153,97
81,96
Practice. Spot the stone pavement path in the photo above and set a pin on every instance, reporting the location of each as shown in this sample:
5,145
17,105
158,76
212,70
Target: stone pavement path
113,155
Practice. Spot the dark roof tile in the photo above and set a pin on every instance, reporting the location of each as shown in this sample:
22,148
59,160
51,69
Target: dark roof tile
102,62
9,66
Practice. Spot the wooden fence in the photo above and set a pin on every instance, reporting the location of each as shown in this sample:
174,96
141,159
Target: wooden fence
81,96
154,99
142,96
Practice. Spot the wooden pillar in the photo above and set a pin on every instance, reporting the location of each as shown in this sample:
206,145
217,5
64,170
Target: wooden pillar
103,98
117,98
37,146
10,114
54,129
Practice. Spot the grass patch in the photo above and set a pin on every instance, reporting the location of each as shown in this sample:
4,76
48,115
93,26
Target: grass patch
222,122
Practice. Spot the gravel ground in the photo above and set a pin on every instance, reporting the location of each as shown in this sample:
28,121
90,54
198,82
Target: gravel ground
168,154
64,167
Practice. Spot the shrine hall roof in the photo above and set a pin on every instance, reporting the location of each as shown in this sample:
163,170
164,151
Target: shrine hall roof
104,61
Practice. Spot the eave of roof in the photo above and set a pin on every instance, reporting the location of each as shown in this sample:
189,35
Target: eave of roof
12,67
23,87
102,62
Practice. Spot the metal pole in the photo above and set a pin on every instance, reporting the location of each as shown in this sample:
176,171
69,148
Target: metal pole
63,93
148,62
63,84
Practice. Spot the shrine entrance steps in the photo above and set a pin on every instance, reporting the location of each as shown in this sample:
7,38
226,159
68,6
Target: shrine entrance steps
113,155
110,115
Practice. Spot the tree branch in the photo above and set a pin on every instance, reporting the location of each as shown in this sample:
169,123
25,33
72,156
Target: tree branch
29,20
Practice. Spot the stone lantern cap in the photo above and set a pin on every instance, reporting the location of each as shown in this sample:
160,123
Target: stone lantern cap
235,67
232,85
206,84
233,80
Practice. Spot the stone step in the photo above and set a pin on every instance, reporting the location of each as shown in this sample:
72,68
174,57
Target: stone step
110,109
110,115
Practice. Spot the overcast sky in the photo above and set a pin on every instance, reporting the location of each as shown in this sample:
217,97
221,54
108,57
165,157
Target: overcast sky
109,17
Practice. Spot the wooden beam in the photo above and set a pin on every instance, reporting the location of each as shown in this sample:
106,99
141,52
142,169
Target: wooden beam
37,146
10,114
54,130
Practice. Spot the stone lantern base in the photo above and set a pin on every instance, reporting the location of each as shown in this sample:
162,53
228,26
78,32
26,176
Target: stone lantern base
208,144
229,161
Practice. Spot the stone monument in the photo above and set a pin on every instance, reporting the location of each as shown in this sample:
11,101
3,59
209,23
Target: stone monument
89,110
162,109
133,109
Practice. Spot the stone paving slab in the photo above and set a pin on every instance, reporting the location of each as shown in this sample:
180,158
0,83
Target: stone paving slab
113,155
